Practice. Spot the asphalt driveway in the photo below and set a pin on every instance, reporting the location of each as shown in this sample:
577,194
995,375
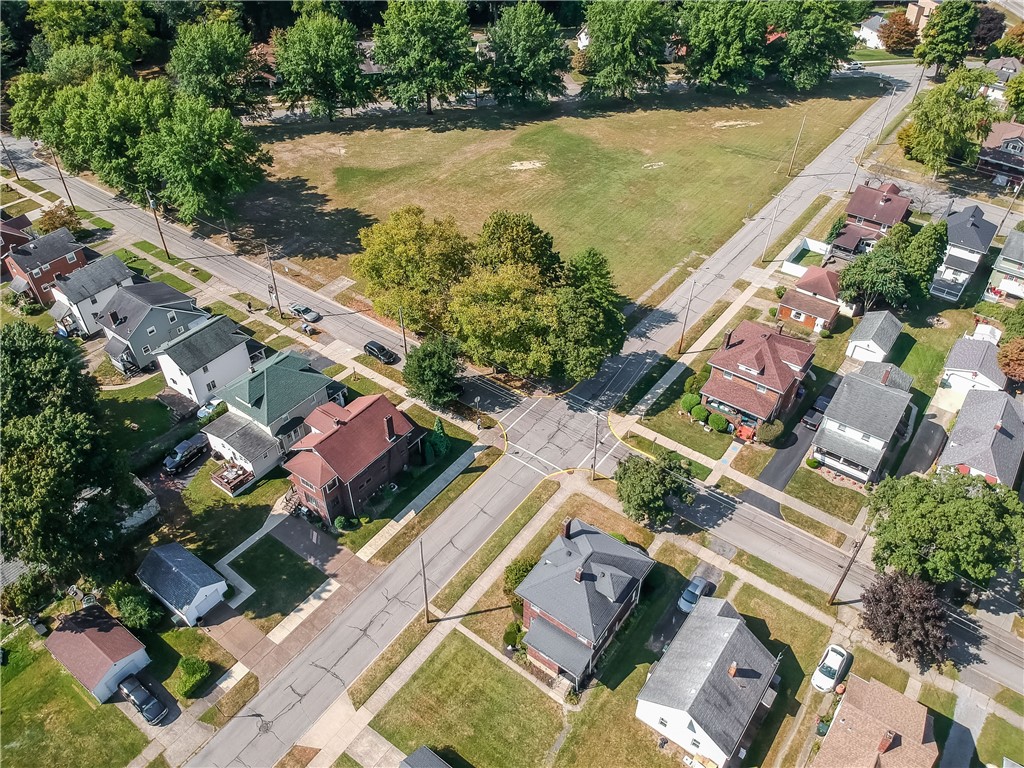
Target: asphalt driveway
787,459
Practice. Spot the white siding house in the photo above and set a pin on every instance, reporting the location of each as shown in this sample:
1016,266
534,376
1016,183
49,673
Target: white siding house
80,297
970,236
867,32
874,337
973,364
182,582
207,357
679,728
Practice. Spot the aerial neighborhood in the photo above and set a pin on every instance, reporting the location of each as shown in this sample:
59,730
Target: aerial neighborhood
579,384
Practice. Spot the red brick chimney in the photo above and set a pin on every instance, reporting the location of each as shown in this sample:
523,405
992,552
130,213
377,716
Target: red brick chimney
885,376
579,574
732,669
566,522
389,427
886,742
998,425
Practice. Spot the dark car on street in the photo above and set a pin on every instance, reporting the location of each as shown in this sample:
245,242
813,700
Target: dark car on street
185,453
148,705
379,351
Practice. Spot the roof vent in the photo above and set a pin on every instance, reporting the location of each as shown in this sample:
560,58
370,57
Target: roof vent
252,369
998,425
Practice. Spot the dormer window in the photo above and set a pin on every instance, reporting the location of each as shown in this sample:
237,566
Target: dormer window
171,317
762,388
727,374
748,369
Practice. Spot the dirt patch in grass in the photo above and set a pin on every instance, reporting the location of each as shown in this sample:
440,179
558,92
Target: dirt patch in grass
752,459
231,703
389,660
297,757
812,488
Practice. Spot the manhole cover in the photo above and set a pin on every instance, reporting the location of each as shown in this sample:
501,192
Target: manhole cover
266,725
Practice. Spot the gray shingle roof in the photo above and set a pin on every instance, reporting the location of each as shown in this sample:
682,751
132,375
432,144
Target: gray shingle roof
247,439
610,572
45,249
88,281
976,355
874,23
889,374
133,303
204,343
953,261
867,405
424,757
274,387
970,229
693,675
176,574
566,651
977,443
882,327
851,448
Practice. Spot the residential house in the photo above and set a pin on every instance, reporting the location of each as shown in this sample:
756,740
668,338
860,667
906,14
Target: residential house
79,298
869,216
756,375
814,301
139,319
1006,68
987,439
366,64
919,11
972,364
424,757
874,337
877,727
267,406
207,356
970,234
181,581
581,590
1002,154
14,232
867,32
868,417
351,452
1007,281
712,687
37,264
97,650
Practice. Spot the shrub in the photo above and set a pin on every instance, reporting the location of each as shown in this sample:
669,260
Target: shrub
780,290
193,671
134,605
580,62
32,309
513,635
29,592
825,333
812,462
718,422
216,413
688,401
835,229
57,216
572,697
773,311
769,431
696,382
11,299
619,537
700,413
515,572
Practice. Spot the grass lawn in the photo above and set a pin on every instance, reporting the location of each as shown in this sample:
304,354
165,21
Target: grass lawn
388,661
678,558
794,229
812,526
159,762
51,197
495,545
730,486
812,488
1011,700
796,587
471,710
333,370
592,177
752,459
359,385
23,206
49,719
869,55
167,644
259,331
231,703
941,704
281,579
821,229
800,640
684,430
31,186
157,252
223,308
377,366
174,281
258,305
9,195
999,739
136,263
346,762
871,666
137,405
642,444
40,319
282,342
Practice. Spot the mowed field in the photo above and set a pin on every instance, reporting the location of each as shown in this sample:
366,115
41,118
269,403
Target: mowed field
648,185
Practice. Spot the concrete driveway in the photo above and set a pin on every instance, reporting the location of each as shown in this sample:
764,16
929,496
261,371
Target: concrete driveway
788,458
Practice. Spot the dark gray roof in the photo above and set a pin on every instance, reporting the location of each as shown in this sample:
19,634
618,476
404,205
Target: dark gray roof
563,649
693,675
59,310
852,448
204,343
133,303
246,438
976,355
1012,255
176,574
868,405
424,757
86,282
970,229
1006,68
953,261
976,441
873,22
45,249
889,374
610,572
881,327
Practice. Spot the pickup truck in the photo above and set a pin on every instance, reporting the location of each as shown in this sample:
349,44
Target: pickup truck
185,453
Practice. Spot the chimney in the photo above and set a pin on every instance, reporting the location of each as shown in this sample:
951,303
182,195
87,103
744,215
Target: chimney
389,427
998,425
579,574
114,319
566,522
727,339
885,375
732,669
886,742
337,421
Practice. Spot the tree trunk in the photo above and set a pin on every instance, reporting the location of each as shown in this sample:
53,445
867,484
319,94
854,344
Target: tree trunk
430,110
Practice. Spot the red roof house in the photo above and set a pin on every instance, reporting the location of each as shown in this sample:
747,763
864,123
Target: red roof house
869,215
814,300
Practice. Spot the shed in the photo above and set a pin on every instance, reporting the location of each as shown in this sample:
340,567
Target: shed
874,337
973,364
181,581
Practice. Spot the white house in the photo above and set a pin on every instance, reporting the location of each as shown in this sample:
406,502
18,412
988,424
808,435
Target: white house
181,581
873,338
206,357
79,298
712,687
867,32
97,650
1006,68
973,364
987,439
969,237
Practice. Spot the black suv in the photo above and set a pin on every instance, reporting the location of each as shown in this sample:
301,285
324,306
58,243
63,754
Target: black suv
148,705
379,351
185,453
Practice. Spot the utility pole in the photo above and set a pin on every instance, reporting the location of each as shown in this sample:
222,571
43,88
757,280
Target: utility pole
62,181
156,218
768,241
846,571
593,466
10,160
856,163
1009,207
686,317
273,281
423,572
401,322
797,145
885,117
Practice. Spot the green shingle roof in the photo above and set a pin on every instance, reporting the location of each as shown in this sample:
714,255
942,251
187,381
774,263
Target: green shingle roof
273,387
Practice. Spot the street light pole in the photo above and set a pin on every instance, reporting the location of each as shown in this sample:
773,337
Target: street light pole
846,571
797,145
62,181
10,160
885,117
156,218
686,317
593,466
401,322
273,281
423,572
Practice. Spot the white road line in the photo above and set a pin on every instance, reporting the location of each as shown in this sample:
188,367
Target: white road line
509,427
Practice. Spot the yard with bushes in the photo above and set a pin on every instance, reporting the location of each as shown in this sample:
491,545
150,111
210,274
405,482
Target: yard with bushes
167,644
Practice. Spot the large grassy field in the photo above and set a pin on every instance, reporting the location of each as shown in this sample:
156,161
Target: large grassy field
648,184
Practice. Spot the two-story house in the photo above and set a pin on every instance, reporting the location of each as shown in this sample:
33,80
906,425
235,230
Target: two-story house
208,356
350,453
1006,284
139,319
712,688
987,439
969,234
14,232
80,298
1002,154
1006,68
919,11
36,265
755,375
267,406
869,216
867,419
581,590
814,301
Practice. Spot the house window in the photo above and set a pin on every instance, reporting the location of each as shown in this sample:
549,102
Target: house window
663,722
695,743
171,317
151,330
211,386
46,267
72,258
206,369
36,273
865,438
312,501
181,329
331,485
727,374
762,388
307,484
92,300
145,349
798,316
860,219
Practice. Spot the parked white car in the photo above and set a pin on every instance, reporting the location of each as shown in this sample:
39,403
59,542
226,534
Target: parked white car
830,669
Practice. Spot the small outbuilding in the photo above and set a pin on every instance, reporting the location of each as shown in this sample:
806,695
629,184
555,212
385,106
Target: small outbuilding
874,337
973,364
181,581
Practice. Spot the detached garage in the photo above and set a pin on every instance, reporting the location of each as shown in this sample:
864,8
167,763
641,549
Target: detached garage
181,581
973,364
874,337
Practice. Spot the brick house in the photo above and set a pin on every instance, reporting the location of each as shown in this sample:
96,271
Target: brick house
14,232
869,216
350,453
814,301
36,265
576,597
1002,154
756,375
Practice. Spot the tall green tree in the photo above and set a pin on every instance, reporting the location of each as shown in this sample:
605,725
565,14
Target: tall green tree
214,60
205,158
514,238
30,95
924,254
411,264
1014,95
318,60
725,43
818,35
881,273
946,38
529,55
644,486
75,64
117,25
627,46
942,526
432,369
424,48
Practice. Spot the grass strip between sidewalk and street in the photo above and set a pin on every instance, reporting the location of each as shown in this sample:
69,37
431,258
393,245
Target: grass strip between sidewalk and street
796,587
651,448
794,229
231,703
814,527
377,366
381,668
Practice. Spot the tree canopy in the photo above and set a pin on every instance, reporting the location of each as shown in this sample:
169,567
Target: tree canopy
989,28
897,33
644,486
905,613
1011,358
529,55
432,369
514,238
946,38
116,25
817,37
627,46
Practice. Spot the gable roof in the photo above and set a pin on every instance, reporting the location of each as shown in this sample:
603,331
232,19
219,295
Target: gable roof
203,344
873,22
1000,132
976,355
132,304
89,642
693,675
820,281
610,572
273,387
176,575
43,250
1006,68
881,327
970,229
869,405
888,374
244,437
885,204
88,281
776,356
809,305
988,436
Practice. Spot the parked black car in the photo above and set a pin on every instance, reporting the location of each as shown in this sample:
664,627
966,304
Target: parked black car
379,351
185,453
148,705
812,419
